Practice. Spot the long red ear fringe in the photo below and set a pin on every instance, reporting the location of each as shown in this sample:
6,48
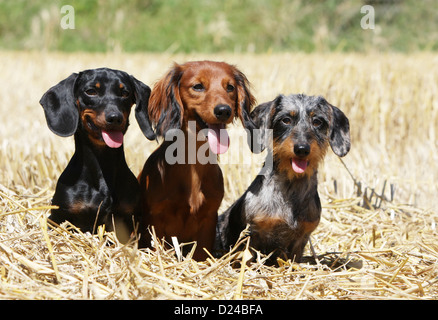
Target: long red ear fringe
245,99
165,105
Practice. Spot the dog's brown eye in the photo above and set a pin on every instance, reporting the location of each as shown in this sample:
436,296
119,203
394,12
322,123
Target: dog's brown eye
286,120
230,88
198,87
316,123
125,93
91,92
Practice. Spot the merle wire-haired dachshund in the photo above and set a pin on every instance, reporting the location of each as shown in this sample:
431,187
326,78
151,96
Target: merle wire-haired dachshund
282,206
97,187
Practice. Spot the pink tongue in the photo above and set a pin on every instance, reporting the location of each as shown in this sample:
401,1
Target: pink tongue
298,165
113,139
218,139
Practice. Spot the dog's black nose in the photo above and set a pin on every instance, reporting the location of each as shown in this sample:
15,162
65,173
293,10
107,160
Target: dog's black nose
301,150
222,112
114,118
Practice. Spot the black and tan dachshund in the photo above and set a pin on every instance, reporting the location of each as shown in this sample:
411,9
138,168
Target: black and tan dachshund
282,206
97,187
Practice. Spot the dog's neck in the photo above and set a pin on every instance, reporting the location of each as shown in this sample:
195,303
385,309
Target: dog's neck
98,158
192,174
299,185
189,147
274,193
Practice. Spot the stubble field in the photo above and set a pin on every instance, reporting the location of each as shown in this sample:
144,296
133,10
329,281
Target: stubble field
377,238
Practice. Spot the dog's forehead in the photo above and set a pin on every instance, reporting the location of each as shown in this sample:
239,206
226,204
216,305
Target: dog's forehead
298,103
207,70
104,76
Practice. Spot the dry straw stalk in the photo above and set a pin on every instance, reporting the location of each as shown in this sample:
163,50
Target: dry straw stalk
377,238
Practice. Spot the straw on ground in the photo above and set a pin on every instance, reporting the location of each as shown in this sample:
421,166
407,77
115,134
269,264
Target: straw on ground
377,238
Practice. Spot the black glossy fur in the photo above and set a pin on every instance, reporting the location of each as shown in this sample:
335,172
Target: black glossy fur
97,187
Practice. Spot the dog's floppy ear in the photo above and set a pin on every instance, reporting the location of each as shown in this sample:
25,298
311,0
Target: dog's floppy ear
245,100
142,93
261,116
339,132
165,105
59,106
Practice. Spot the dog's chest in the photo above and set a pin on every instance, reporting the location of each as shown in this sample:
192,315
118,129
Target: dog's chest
279,217
282,203
206,189
270,202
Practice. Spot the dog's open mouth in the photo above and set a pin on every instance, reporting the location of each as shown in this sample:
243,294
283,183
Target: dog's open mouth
299,165
112,138
218,139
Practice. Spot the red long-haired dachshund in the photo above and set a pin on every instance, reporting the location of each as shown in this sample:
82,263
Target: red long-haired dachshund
181,190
